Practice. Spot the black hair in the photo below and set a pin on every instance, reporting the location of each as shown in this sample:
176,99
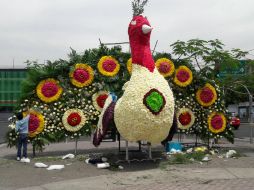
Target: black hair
19,115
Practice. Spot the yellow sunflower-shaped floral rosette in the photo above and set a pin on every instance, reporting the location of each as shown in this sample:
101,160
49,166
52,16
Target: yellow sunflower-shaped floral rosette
108,66
36,123
165,66
183,76
129,65
82,75
207,95
217,122
49,90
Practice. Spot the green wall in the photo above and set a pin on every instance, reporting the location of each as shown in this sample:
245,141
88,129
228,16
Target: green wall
10,85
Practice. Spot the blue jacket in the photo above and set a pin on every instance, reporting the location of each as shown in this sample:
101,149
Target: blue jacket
22,125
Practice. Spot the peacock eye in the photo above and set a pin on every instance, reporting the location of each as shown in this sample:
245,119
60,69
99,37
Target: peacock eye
133,22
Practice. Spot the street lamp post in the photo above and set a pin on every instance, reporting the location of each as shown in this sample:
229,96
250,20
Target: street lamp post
250,112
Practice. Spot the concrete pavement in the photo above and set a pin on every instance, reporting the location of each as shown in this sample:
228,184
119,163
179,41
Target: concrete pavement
220,173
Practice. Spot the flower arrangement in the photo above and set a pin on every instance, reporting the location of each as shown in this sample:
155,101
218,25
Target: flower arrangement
129,65
82,75
216,122
165,66
99,99
206,96
49,90
36,123
73,120
185,118
108,66
87,94
183,76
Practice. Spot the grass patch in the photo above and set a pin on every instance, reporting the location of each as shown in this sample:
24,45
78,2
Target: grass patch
48,158
182,159
197,156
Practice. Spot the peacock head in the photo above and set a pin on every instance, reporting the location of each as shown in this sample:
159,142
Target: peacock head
139,29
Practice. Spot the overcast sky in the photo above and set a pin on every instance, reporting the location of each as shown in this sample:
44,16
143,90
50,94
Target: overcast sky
45,29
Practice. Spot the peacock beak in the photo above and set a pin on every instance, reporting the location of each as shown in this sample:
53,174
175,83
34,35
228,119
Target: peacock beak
146,29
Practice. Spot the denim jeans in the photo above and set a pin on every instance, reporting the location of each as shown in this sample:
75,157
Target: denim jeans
22,141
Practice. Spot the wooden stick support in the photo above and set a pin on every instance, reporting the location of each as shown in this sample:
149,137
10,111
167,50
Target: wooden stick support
126,151
149,151
76,146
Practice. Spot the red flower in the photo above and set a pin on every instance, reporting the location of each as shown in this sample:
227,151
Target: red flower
182,75
101,100
185,118
34,123
217,122
74,119
81,75
109,65
206,95
164,67
49,89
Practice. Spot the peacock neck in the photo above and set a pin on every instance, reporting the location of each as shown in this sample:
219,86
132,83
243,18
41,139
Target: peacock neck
141,55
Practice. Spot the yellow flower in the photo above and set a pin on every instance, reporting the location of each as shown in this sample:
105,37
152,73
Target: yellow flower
129,65
165,66
36,118
217,122
206,96
183,76
49,90
108,66
82,75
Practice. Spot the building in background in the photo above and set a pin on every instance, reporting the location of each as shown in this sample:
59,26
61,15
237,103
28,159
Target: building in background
10,87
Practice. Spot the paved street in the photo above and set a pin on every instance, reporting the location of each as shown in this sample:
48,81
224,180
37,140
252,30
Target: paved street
219,173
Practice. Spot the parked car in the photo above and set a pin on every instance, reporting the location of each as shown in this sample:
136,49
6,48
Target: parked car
234,121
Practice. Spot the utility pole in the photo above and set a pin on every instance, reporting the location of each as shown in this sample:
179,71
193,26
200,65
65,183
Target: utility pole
250,111
13,63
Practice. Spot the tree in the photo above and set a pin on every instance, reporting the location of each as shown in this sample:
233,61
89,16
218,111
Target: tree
210,58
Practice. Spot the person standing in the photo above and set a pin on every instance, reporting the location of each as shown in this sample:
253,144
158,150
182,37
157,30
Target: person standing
22,128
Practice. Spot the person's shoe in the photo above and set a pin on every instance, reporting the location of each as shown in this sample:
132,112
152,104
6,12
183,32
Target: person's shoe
25,160
18,158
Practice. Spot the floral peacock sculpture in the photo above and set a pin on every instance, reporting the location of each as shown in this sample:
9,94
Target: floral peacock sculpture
145,110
